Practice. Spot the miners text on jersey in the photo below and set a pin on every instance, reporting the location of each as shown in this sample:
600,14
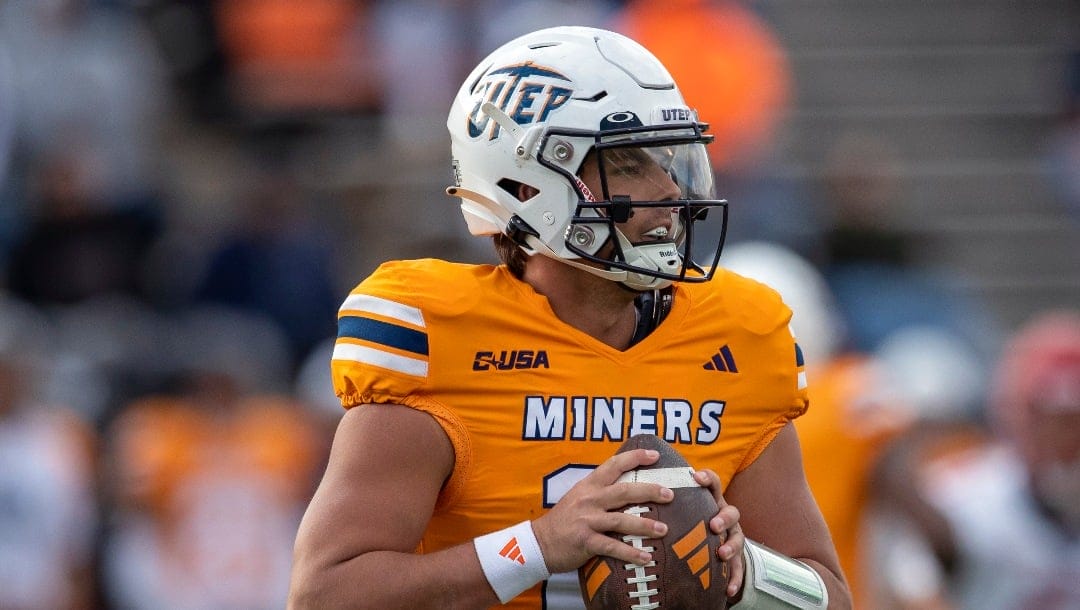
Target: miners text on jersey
616,418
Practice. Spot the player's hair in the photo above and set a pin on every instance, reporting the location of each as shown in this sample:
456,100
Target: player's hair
511,254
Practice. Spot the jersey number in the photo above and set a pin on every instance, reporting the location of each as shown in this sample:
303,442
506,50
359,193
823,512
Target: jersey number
561,591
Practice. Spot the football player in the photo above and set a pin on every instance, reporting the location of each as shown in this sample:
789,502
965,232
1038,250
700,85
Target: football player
946,483
473,465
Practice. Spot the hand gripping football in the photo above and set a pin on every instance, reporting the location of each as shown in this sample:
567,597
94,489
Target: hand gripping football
685,572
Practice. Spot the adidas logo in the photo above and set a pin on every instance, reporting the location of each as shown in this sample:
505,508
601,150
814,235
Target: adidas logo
721,361
512,551
693,548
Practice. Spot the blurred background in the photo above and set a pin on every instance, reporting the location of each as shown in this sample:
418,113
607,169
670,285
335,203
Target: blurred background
189,189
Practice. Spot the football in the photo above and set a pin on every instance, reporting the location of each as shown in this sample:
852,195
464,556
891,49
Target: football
685,571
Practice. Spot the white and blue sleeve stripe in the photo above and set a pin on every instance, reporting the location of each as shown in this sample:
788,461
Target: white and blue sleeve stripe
384,343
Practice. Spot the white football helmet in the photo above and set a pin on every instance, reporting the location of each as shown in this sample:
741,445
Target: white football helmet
531,112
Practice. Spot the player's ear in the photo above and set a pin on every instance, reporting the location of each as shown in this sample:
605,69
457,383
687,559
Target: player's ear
526,191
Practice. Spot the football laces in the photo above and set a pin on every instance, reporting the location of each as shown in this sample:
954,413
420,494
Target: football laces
640,578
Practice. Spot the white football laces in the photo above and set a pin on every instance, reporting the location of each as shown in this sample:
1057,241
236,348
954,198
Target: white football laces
639,590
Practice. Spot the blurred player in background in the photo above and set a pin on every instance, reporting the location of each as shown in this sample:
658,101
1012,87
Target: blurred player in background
997,515
48,515
842,434
863,401
485,402
207,479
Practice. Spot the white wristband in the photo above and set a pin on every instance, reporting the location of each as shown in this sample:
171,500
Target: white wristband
511,560
773,581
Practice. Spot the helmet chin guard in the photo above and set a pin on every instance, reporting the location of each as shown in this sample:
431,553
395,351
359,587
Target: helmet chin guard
545,107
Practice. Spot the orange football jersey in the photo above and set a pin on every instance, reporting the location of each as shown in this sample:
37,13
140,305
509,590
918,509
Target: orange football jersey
853,421
532,404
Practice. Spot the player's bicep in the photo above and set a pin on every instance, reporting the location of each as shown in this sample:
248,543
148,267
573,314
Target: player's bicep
386,468
777,506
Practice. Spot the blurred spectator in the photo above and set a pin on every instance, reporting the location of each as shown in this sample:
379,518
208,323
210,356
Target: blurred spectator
277,261
995,513
48,519
207,483
733,69
505,20
108,348
75,246
87,78
1063,158
871,260
862,192
286,58
8,215
854,409
422,51
87,102
187,34
730,66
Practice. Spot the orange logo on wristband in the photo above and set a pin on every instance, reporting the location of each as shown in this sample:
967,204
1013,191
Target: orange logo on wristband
512,551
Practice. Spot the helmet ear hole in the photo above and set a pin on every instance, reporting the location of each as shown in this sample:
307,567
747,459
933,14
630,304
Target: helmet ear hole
519,190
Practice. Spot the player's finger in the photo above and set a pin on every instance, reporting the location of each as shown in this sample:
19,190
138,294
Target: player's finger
618,495
736,568
726,520
726,523
629,524
711,480
613,467
600,544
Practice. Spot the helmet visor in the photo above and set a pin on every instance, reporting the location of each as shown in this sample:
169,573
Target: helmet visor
625,176
686,165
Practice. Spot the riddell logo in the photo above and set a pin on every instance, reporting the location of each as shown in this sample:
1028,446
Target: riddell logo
721,361
512,551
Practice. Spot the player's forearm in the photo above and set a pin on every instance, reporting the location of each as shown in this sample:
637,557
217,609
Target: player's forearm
387,579
839,594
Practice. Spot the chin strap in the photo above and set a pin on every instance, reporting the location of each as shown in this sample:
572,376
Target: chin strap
652,307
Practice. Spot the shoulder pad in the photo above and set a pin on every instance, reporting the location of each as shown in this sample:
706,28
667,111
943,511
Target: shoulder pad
437,287
751,304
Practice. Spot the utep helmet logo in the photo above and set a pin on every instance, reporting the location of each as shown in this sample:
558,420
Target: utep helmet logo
526,92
